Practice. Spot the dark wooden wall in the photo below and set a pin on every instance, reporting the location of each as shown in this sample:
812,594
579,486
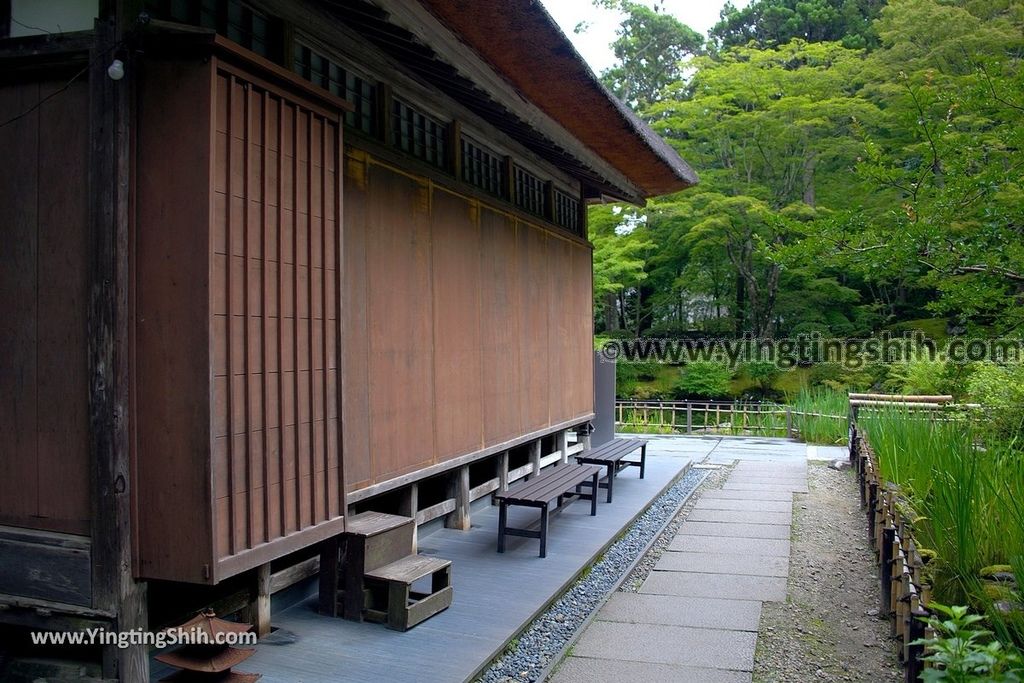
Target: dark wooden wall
44,257
464,325
237,310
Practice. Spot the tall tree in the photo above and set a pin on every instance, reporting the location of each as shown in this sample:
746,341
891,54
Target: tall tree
768,23
651,50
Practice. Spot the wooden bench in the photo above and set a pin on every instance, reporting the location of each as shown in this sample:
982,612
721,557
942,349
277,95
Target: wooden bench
555,484
612,455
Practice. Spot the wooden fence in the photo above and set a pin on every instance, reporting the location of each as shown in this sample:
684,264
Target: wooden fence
712,417
904,593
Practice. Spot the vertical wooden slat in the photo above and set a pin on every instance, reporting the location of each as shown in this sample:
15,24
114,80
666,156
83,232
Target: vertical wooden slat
295,311
229,399
282,479
247,421
264,325
311,385
324,372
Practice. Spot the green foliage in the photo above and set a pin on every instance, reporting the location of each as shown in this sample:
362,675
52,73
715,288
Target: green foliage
704,379
820,416
1000,390
773,22
967,501
763,373
651,49
843,190
962,651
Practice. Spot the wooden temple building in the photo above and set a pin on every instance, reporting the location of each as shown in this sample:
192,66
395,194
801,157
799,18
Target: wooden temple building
268,264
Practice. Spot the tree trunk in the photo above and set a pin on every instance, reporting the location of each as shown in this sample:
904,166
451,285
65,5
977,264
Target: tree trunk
611,312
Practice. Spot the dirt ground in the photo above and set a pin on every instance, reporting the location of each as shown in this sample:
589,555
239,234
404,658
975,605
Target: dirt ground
829,628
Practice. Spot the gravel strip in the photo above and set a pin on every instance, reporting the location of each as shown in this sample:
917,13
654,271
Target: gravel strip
828,629
527,655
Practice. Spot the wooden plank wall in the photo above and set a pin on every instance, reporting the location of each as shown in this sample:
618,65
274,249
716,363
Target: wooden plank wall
237,311
44,459
464,326
275,234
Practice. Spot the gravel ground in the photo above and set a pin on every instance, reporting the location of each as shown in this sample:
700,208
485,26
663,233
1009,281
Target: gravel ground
528,655
828,629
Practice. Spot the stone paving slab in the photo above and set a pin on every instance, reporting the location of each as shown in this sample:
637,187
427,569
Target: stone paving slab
713,585
730,546
745,505
764,531
740,516
748,565
754,486
589,670
657,643
758,479
750,495
677,610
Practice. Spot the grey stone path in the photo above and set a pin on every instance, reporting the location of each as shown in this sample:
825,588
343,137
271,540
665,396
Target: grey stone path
696,616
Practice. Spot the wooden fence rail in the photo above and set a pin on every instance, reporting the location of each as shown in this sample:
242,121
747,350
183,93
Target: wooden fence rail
713,417
904,593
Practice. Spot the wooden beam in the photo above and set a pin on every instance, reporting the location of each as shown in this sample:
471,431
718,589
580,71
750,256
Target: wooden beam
434,511
433,470
110,112
289,576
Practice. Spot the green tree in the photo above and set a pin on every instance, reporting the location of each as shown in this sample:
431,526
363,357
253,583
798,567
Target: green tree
767,23
651,50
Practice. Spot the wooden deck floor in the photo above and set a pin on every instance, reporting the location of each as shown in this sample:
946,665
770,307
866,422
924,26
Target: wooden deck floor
495,595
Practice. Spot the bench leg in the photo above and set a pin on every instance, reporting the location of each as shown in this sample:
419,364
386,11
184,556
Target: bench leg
593,495
643,459
502,519
611,480
544,531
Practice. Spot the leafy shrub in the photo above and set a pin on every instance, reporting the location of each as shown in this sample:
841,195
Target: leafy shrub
763,373
704,379
963,652
1000,390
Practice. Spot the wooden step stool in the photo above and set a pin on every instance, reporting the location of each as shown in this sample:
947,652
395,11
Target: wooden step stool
374,559
404,608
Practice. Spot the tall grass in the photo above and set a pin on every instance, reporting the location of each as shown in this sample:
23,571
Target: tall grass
819,415
968,501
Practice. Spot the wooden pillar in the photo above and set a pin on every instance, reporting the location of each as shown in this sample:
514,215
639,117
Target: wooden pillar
502,473
257,612
409,506
563,445
114,588
329,577
458,488
535,456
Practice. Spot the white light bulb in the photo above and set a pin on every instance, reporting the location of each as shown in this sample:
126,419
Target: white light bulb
116,70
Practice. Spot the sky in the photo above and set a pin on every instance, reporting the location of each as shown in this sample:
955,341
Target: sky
593,44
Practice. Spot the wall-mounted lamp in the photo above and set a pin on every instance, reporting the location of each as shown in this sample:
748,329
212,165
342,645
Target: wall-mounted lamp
116,70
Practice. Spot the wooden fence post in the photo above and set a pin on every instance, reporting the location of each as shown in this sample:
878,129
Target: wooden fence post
689,418
789,422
